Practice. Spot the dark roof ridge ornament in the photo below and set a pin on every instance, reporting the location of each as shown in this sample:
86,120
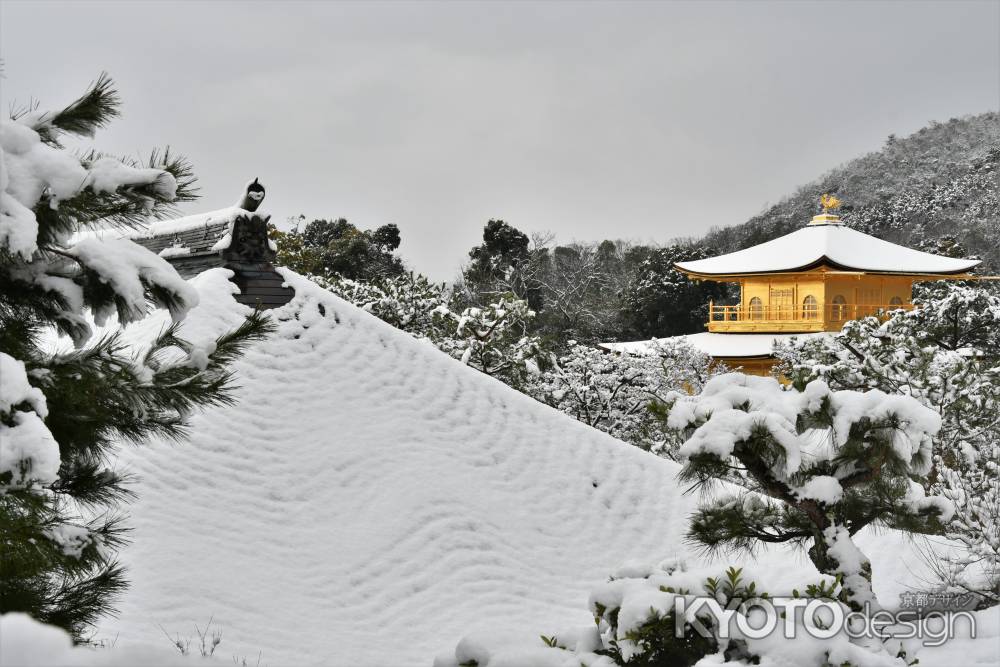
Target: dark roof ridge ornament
253,195
233,238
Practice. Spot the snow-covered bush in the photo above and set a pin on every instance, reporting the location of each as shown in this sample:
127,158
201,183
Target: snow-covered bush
408,302
614,392
944,354
637,625
493,339
60,414
818,466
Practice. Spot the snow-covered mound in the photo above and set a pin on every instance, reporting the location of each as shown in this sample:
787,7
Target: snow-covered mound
369,501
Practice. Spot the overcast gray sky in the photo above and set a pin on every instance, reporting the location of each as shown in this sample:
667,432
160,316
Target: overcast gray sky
644,121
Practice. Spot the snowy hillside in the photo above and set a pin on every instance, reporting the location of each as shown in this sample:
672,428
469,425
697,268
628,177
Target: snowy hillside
369,501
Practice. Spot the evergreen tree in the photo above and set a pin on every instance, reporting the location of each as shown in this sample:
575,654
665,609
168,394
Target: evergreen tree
334,249
944,354
408,302
818,466
61,414
501,264
613,391
494,339
661,301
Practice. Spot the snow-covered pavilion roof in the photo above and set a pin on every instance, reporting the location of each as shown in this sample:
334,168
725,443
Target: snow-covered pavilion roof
832,244
732,345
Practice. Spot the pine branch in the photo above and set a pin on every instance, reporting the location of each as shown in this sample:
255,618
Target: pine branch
83,117
180,168
92,111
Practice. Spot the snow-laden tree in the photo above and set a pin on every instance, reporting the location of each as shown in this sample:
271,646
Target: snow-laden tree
618,393
505,262
493,339
818,465
662,301
408,302
61,413
945,354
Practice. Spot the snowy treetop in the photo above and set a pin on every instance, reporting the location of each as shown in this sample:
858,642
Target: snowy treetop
732,406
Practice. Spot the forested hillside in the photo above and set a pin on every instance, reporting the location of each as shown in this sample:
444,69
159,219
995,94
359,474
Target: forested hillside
936,190
941,181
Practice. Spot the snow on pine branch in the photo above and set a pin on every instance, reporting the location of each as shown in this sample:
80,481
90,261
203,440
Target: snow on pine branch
133,271
734,407
28,452
34,170
943,354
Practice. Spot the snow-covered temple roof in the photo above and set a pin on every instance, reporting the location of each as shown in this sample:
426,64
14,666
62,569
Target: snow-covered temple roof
730,345
826,241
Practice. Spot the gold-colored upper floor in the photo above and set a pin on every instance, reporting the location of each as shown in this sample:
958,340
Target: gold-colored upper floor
809,302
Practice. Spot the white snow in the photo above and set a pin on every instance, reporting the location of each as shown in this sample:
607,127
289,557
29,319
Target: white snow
823,488
15,387
126,266
636,593
775,408
73,539
24,641
177,225
224,242
30,168
715,344
834,244
26,442
919,501
107,174
174,251
370,501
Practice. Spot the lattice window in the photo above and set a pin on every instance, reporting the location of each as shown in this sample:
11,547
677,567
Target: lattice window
782,304
810,308
838,313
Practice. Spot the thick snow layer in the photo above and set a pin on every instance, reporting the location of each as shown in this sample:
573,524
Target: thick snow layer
128,268
369,501
715,344
31,169
833,244
27,439
24,641
174,251
194,221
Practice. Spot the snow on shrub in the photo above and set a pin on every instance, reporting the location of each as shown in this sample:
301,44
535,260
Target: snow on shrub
408,302
614,392
636,625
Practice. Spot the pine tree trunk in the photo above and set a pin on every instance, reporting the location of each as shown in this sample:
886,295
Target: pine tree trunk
855,578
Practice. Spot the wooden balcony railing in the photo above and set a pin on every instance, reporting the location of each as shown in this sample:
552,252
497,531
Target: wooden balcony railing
792,318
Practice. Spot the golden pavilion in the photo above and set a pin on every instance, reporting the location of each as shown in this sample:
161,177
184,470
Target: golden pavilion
804,283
